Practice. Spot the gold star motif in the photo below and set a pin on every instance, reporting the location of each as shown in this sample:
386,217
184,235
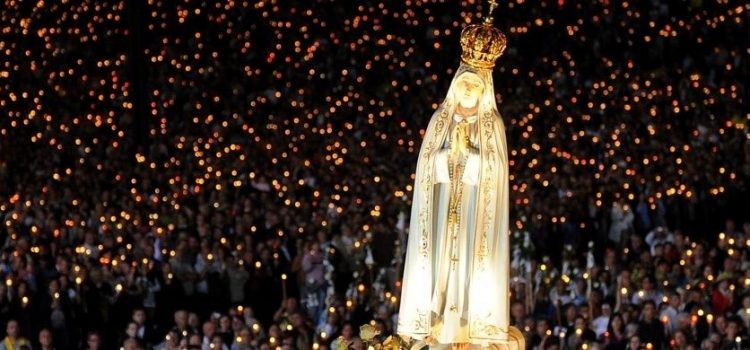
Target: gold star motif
453,308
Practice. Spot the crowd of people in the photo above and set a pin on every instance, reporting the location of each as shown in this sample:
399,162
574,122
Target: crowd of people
238,175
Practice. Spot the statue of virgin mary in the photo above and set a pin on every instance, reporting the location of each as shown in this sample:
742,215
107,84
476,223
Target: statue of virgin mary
455,290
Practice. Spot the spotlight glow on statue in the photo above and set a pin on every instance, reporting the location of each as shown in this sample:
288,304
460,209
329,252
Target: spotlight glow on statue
455,290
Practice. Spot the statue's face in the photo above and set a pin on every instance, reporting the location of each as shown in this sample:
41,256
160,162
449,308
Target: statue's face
469,88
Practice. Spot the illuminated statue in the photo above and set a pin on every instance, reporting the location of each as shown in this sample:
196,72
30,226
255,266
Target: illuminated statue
455,290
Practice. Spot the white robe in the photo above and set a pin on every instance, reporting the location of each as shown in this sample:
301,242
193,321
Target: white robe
451,282
468,304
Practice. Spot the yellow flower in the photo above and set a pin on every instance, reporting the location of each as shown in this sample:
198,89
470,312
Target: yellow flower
391,343
342,344
368,332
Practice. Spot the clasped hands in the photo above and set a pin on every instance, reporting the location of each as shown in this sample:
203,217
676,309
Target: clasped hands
459,144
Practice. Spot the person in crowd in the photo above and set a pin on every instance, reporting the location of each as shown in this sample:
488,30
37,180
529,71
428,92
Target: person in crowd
13,339
46,340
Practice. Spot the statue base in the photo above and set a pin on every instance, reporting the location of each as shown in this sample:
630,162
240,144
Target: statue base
371,337
516,341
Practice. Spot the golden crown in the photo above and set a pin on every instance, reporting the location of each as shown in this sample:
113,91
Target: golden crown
482,44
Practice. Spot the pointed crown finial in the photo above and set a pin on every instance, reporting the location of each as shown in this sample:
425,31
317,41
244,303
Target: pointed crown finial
482,44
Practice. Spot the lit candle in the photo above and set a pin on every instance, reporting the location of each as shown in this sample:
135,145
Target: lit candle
283,285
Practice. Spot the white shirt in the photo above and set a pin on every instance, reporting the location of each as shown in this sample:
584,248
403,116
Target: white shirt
600,325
